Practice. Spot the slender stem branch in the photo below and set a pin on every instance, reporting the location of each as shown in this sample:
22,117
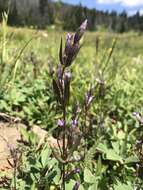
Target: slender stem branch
85,130
64,155
64,145
59,146
15,187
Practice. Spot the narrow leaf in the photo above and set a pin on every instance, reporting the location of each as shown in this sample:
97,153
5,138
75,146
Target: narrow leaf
67,92
61,52
57,91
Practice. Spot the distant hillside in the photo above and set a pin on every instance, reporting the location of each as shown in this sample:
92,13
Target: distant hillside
24,6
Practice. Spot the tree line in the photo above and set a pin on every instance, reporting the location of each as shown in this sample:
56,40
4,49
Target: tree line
46,12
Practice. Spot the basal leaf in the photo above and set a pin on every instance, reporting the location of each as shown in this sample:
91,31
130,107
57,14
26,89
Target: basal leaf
132,159
112,155
45,156
88,176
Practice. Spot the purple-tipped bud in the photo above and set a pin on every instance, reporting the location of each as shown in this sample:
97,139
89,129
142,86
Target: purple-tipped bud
76,186
72,46
60,123
59,72
138,117
74,123
69,43
89,97
139,142
77,170
71,51
83,25
69,175
67,78
76,110
80,32
136,114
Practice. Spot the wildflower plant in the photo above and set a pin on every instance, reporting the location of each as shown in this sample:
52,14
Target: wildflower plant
71,135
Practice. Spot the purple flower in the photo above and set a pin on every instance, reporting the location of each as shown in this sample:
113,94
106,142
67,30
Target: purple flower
77,170
60,122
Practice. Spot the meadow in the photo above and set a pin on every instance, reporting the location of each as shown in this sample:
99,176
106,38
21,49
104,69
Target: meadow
106,95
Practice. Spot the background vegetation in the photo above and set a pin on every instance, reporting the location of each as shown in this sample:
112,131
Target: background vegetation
108,70
40,13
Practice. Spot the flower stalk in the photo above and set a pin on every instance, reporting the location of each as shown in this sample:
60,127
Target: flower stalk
61,88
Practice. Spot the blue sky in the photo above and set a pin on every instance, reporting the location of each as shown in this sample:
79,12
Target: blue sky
131,6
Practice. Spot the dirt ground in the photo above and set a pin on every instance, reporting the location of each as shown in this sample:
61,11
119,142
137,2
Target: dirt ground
9,137
9,134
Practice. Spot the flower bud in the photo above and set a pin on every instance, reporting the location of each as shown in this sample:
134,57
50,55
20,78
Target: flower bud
71,173
74,123
72,46
71,51
59,72
89,98
67,79
80,31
